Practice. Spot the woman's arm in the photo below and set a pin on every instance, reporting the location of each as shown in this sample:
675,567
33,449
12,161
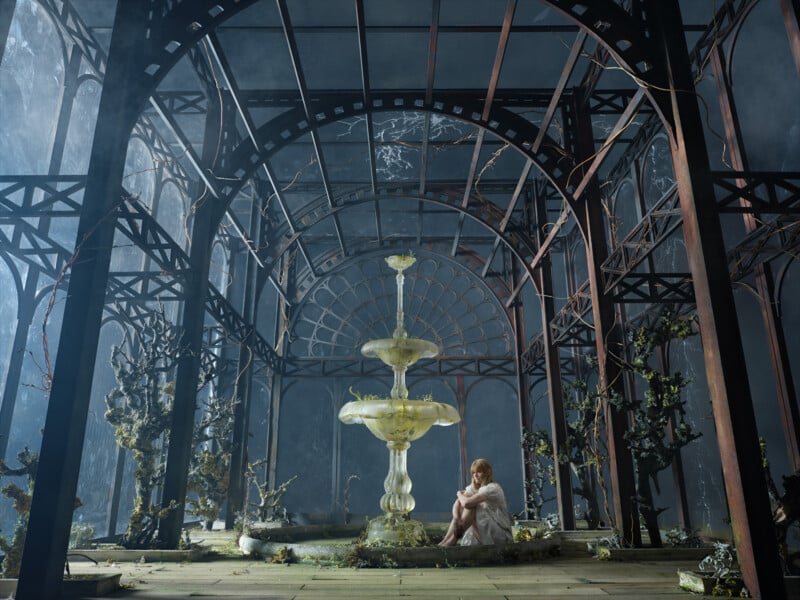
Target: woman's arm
471,500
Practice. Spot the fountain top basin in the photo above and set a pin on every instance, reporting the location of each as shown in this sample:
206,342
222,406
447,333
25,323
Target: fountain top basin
396,420
399,352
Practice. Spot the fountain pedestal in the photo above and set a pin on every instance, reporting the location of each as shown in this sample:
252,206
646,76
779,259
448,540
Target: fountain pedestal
398,421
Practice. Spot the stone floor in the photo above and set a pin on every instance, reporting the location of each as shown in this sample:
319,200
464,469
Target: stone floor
571,578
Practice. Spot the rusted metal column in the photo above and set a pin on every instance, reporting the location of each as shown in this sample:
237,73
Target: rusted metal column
608,339
791,16
523,384
765,283
555,392
281,342
461,402
43,557
726,370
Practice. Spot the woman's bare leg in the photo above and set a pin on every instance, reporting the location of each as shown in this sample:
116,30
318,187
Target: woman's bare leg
463,518
452,535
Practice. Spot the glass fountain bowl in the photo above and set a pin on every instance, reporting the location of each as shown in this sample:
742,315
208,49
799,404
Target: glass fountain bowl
396,420
399,352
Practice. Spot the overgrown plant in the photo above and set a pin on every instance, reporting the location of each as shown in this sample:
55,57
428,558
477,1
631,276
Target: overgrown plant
139,408
538,452
209,468
658,428
269,506
583,452
22,504
785,511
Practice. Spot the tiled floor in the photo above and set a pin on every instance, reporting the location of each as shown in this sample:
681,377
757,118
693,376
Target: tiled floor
569,578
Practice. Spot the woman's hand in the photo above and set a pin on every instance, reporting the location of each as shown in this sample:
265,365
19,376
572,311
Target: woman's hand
467,499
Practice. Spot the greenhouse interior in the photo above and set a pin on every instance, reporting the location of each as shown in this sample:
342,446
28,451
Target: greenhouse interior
257,254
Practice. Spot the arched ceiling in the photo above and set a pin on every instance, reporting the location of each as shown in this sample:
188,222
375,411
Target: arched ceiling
368,125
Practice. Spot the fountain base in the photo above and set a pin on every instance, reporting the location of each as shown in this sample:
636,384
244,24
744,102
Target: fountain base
392,530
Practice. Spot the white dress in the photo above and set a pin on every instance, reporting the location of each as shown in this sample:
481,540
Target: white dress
492,521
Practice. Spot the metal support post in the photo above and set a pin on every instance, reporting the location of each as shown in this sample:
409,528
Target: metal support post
53,503
608,340
726,370
555,392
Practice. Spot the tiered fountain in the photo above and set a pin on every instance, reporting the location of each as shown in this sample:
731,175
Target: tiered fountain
398,421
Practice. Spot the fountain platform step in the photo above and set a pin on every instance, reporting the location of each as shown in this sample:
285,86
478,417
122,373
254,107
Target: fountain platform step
348,550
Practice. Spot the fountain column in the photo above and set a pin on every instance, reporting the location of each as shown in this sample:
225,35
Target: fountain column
398,421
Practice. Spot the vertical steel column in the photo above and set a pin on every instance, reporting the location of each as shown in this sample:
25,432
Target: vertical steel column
555,392
337,400
43,557
281,343
523,385
27,302
115,492
184,403
188,370
608,338
765,282
791,16
27,307
461,402
244,379
6,16
726,370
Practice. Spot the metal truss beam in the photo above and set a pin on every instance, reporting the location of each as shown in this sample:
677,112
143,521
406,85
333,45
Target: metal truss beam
27,197
650,288
484,366
570,326
657,225
767,192
727,19
141,228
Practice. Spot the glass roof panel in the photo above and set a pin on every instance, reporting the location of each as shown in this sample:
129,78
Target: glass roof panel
397,60
330,60
259,59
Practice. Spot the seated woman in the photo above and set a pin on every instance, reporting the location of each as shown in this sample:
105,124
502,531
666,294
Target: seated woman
480,512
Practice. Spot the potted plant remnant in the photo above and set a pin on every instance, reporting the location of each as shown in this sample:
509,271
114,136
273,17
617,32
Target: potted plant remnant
716,575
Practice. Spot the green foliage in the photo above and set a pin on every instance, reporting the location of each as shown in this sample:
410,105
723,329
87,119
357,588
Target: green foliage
538,452
210,464
22,504
658,429
583,450
139,408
